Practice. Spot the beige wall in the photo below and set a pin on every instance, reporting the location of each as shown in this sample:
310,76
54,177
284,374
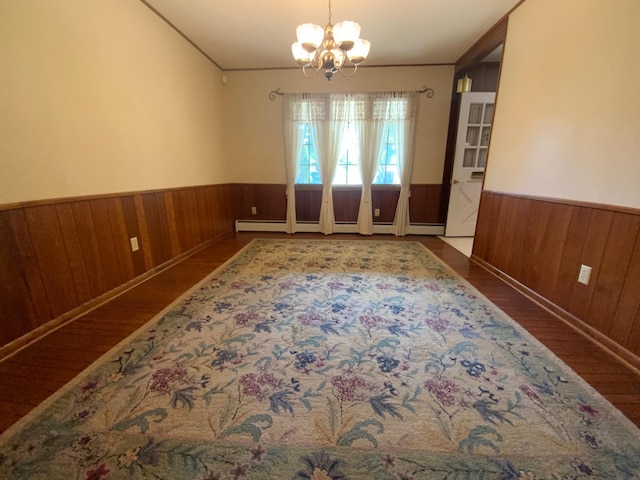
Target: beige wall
567,119
253,123
102,96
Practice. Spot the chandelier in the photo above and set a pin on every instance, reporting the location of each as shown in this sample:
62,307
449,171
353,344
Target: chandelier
329,49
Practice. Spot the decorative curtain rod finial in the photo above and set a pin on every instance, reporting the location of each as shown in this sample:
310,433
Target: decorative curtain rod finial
427,90
273,93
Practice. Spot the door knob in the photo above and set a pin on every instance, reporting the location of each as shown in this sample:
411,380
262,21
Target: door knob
456,181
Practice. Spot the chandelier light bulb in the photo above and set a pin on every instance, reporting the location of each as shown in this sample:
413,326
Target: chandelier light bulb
302,56
359,51
345,34
309,36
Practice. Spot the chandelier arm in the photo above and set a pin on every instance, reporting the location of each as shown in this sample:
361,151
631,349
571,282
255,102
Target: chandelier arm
316,61
304,71
348,75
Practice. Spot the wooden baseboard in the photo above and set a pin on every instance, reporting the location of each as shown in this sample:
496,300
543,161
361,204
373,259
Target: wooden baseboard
52,325
632,360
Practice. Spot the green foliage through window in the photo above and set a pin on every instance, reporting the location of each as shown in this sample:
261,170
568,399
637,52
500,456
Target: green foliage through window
308,168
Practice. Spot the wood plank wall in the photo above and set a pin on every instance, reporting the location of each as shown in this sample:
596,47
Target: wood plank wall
57,255
541,244
60,256
271,202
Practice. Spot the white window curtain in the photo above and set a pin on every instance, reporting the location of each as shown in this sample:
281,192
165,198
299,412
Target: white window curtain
327,117
292,146
402,115
300,109
339,113
370,117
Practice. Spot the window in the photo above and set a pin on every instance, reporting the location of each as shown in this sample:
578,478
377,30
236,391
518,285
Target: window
385,114
348,168
308,168
343,134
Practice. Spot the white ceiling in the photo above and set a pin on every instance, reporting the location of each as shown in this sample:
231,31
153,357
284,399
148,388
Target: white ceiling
253,34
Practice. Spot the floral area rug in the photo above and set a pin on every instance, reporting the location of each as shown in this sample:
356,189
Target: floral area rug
327,360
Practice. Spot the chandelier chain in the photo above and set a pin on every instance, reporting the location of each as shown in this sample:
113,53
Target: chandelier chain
329,11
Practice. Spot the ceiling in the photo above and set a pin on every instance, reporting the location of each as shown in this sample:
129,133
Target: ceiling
257,34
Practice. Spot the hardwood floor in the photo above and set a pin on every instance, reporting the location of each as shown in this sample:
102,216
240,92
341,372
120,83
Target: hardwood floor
35,372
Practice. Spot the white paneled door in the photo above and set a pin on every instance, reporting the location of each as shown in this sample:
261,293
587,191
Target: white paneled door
472,142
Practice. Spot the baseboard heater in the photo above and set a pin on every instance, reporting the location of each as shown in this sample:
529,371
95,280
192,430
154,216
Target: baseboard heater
378,228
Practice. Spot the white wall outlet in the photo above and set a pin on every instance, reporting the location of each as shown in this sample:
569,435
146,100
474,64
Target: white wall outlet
254,211
134,244
376,212
584,275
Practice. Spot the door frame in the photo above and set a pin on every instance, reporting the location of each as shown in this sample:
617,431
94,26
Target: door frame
464,176
468,64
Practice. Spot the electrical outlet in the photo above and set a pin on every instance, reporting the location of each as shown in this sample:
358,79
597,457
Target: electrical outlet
134,244
254,211
376,212
584,275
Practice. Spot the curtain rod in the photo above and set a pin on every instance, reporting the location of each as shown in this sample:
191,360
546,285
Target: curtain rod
424,89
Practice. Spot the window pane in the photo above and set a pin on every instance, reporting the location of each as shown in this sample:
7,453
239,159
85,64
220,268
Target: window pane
488,113
475,113
472,136
469,159
348,169
308,170
387,175
486,132
387,172
482,158
340,177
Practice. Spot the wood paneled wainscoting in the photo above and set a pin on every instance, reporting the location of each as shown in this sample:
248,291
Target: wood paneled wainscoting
538,245
270,201
59,258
